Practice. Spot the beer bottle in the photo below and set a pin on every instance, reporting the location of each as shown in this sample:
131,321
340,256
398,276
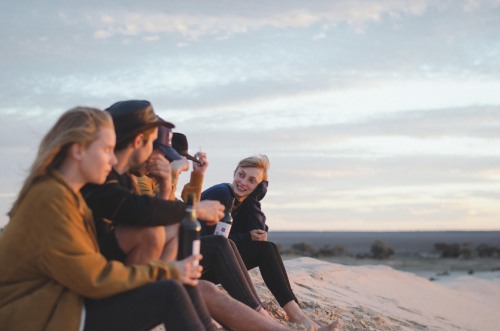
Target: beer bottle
224,226
189,232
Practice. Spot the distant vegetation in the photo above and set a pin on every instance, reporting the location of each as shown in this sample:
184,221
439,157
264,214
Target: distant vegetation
305,249
381,250
466,250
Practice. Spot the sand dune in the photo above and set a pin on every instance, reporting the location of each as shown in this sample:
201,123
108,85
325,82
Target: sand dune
382,298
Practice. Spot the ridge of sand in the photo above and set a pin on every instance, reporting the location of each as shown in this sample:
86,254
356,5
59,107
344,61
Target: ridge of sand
378,297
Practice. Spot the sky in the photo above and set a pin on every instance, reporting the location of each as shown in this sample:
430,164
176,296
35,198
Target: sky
375,115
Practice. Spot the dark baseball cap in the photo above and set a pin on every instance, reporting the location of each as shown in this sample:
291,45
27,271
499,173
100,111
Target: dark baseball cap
164,144
180,144
132,117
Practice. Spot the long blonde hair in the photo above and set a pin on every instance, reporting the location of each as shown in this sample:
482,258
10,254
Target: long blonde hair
255,161
77,125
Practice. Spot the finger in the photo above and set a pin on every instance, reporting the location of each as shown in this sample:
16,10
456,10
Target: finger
190,281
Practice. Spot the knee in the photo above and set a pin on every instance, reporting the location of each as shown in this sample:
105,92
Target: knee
220,242
267,247
171,289
208,288
153,236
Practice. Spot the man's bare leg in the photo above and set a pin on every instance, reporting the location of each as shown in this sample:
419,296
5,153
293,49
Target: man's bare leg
296,315
141,244
238,317
170,248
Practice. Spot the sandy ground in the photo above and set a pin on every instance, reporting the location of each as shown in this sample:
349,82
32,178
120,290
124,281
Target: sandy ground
378,297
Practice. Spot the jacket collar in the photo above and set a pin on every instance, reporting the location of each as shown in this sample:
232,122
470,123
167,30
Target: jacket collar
260,191
55,174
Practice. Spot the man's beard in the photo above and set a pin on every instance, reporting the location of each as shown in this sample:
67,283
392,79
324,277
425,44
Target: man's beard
140,170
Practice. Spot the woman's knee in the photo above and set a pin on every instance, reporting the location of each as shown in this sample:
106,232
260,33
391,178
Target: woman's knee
220,242
169,290
266,247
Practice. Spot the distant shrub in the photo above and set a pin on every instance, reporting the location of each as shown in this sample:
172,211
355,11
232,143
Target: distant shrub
484,250
381,250
454,250
304,249
331,251
448,250
466,251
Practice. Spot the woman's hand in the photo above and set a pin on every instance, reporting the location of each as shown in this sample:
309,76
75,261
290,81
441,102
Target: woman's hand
258,235
189,269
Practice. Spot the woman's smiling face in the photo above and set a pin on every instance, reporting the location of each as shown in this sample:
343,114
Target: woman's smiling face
246,180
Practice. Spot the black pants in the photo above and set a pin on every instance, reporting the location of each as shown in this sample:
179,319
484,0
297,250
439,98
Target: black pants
178,307
223,264
265,255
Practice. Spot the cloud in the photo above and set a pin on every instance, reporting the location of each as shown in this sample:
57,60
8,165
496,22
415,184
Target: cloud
228,20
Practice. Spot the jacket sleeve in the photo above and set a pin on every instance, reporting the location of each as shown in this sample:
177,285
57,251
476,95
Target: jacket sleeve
110,201
223,193
146,186
71,256
194,186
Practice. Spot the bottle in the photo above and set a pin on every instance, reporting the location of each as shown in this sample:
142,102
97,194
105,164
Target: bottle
189,232
224,226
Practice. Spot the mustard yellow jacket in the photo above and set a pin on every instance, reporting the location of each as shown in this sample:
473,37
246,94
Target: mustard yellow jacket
50,261
148,186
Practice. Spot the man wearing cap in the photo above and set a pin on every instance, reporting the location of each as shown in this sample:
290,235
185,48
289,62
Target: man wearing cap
174,147
129,226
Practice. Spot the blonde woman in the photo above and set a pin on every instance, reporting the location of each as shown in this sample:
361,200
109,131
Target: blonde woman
249,232
53,276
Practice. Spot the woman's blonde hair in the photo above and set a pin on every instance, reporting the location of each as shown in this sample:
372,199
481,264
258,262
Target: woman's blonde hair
255,161
78,125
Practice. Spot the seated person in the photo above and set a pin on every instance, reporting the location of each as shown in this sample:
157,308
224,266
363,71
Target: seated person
249,231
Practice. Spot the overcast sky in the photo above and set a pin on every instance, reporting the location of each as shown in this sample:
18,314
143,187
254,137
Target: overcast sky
376,115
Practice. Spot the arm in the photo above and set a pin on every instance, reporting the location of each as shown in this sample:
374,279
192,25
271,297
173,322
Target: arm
194,186
110,201
249,219
196,181
71,256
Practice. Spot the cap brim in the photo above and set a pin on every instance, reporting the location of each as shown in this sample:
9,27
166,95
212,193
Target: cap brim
158,123
170,153
146,127
192,158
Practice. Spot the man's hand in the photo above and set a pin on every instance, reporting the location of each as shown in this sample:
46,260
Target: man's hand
200,167
210,211
189,269
258,235
158,167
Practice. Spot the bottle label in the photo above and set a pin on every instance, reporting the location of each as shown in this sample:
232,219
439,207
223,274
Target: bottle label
222,229
196,249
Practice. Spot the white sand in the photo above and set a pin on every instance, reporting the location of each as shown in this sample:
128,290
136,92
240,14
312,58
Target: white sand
382,298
